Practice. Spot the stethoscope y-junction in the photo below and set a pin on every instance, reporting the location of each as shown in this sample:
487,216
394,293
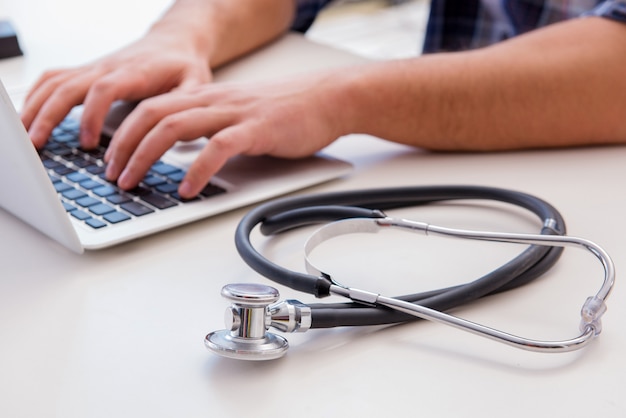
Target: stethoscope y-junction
255,308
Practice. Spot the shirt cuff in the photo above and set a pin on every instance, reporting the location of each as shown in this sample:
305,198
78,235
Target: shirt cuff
612,9
306,12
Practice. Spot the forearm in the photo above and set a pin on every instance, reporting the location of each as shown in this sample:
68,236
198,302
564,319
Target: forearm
559,86
225,29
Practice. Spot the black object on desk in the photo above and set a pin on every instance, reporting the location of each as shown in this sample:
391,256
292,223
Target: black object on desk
9,45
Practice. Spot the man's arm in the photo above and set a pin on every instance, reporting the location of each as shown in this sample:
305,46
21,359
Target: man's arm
558,86
563,85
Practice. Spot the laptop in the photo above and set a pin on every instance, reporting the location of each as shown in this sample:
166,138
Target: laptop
61,190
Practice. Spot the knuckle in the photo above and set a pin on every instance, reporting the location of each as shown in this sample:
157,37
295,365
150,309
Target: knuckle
102,86
173,123
147,109
65,89
222,143
48,74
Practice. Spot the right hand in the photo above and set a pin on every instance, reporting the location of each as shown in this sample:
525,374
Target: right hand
290,118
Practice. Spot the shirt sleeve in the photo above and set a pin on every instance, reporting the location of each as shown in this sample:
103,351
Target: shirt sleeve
610,9
306,12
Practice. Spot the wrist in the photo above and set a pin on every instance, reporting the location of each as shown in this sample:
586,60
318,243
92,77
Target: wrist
223,30
356,99
191,24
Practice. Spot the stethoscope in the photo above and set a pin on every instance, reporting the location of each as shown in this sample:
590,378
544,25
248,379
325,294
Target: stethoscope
255,308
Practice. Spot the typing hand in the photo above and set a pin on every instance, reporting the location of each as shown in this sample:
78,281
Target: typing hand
289,119
155,64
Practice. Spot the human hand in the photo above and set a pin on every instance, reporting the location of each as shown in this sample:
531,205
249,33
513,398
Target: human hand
289,119
157,63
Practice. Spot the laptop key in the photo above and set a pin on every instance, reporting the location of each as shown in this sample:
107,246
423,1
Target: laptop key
181,199
64,136
51,164
152,181
62,151
96,153
101,209
73,194
87,201
104,191
77,177
72,157
158,201
118,199
177,177
95,223
62,170
90,184
60,187
73,144
82,163
95,169
164,168
51,146
116,217
79,214
140,191
211,190
68,207
167,188
136,208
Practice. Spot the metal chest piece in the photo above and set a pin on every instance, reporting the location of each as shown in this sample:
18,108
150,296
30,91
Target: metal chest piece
247,320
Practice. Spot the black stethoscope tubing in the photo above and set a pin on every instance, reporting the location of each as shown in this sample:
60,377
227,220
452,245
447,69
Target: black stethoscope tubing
288,213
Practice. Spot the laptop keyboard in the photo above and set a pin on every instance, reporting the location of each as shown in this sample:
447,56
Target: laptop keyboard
78,177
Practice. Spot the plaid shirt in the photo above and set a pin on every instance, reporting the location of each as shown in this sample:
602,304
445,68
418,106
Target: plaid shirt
466,24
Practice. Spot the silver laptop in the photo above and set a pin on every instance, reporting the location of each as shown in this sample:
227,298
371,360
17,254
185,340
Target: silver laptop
62,192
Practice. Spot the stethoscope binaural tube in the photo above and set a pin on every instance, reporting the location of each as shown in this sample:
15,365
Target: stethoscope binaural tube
288,213
591,312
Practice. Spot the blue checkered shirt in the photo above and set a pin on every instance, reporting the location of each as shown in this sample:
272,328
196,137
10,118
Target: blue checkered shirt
455,25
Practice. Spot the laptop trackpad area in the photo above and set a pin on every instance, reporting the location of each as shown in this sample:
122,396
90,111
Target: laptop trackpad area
257,171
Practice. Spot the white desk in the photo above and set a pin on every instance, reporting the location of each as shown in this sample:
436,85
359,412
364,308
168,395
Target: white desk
119,333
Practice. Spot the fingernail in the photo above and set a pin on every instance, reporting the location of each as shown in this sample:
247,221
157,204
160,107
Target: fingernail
123,179
87,139
35,137
111,170
185,189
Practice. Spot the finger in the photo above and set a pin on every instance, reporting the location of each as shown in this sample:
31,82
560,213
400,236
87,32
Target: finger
186,125
39,93
60,102
131,132
142,120
225,144
119,85
44,79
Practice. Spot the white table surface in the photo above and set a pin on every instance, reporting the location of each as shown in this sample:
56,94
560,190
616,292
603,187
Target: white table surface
119,332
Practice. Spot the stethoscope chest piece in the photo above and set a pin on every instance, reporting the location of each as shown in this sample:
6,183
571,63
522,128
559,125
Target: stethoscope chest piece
247,321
